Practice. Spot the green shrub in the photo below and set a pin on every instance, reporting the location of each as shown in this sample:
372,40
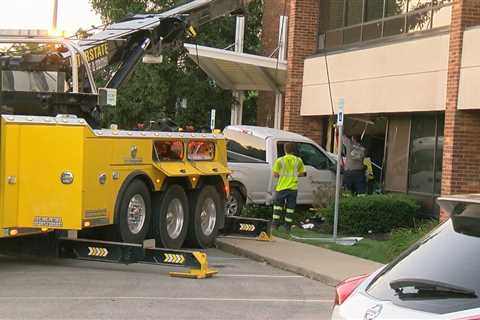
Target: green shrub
402,238
373,214
257,211
265,212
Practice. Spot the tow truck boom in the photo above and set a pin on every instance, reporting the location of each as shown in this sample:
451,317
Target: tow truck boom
26,76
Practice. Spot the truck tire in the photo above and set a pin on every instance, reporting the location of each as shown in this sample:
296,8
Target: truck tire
171,216
135,211
206,206
235,203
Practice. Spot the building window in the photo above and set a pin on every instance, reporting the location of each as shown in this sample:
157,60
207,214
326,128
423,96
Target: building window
345,22
414,154
426,152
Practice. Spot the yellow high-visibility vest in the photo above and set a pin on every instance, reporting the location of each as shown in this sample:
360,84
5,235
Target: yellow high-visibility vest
288,167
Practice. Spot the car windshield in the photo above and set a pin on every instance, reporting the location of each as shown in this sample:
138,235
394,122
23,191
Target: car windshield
429,275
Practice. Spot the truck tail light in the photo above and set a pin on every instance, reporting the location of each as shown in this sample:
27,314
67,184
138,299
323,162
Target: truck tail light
227,189
345,288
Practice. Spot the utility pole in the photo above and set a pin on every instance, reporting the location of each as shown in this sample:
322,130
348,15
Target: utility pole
340,115
55,10
237,107
282,55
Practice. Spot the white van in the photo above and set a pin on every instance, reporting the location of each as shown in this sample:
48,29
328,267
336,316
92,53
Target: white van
252,152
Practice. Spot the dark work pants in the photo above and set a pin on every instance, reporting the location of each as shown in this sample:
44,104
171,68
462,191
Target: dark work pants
355,181
284,204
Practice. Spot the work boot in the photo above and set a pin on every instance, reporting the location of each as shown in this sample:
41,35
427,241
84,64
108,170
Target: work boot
288,227
275,225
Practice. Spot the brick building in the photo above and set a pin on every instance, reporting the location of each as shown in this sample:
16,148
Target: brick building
408,72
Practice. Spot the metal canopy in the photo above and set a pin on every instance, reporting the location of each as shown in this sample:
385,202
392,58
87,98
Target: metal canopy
240,71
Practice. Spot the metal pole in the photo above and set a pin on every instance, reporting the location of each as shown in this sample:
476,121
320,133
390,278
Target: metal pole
277,121
282,55
338,181
341,107
55,10
237,107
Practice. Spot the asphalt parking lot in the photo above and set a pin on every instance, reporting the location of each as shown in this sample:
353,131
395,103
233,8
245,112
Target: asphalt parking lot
40,288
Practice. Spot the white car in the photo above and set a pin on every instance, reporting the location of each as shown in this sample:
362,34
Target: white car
252,152
437,278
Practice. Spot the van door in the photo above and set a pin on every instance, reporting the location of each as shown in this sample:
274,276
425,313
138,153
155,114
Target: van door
318,167
247,159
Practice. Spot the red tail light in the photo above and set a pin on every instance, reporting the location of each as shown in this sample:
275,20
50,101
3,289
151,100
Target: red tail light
345,288
477,317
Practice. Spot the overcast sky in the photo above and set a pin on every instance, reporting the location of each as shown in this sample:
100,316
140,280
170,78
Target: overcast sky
37,14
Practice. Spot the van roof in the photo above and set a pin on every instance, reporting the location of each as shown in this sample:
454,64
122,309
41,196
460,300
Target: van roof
264,133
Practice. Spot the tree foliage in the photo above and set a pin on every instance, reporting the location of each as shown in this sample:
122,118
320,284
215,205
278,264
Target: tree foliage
157,91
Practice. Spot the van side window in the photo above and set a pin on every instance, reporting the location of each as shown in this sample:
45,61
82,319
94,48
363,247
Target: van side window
310,155
246,144
168,150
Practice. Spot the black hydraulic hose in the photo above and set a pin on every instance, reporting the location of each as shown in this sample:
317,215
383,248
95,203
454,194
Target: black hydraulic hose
127,67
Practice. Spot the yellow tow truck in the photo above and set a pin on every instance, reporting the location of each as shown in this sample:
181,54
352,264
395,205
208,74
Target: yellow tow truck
63,175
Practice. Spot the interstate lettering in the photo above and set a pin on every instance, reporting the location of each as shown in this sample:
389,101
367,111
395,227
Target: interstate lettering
95,53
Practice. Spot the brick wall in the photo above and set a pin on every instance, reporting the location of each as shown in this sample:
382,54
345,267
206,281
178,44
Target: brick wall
272,10
461,159
302,42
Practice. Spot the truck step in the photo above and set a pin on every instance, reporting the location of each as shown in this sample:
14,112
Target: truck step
258,229
128,253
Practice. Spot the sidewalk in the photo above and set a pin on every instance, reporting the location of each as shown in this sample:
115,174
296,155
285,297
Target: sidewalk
317,263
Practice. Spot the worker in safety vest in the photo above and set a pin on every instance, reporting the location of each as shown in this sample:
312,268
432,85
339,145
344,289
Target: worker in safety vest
287,169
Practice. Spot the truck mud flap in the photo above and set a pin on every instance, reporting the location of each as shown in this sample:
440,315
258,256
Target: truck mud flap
127,253
259,229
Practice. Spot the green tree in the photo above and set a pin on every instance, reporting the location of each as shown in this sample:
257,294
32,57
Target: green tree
157,91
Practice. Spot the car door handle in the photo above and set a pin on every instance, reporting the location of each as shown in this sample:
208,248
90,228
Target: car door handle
183,171
215,170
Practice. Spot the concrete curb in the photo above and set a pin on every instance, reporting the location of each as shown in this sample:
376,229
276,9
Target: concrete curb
227,247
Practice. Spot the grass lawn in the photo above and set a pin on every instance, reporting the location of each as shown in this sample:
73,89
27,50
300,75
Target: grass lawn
382,251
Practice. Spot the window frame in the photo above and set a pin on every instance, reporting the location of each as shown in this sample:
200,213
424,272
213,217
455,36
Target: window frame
322,39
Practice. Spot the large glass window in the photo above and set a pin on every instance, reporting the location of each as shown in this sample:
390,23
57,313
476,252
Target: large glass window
373,10
345,22
397,154
420,21
395,7
439,155
422,155
372,31
354,12
426,151
392,27
331,15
